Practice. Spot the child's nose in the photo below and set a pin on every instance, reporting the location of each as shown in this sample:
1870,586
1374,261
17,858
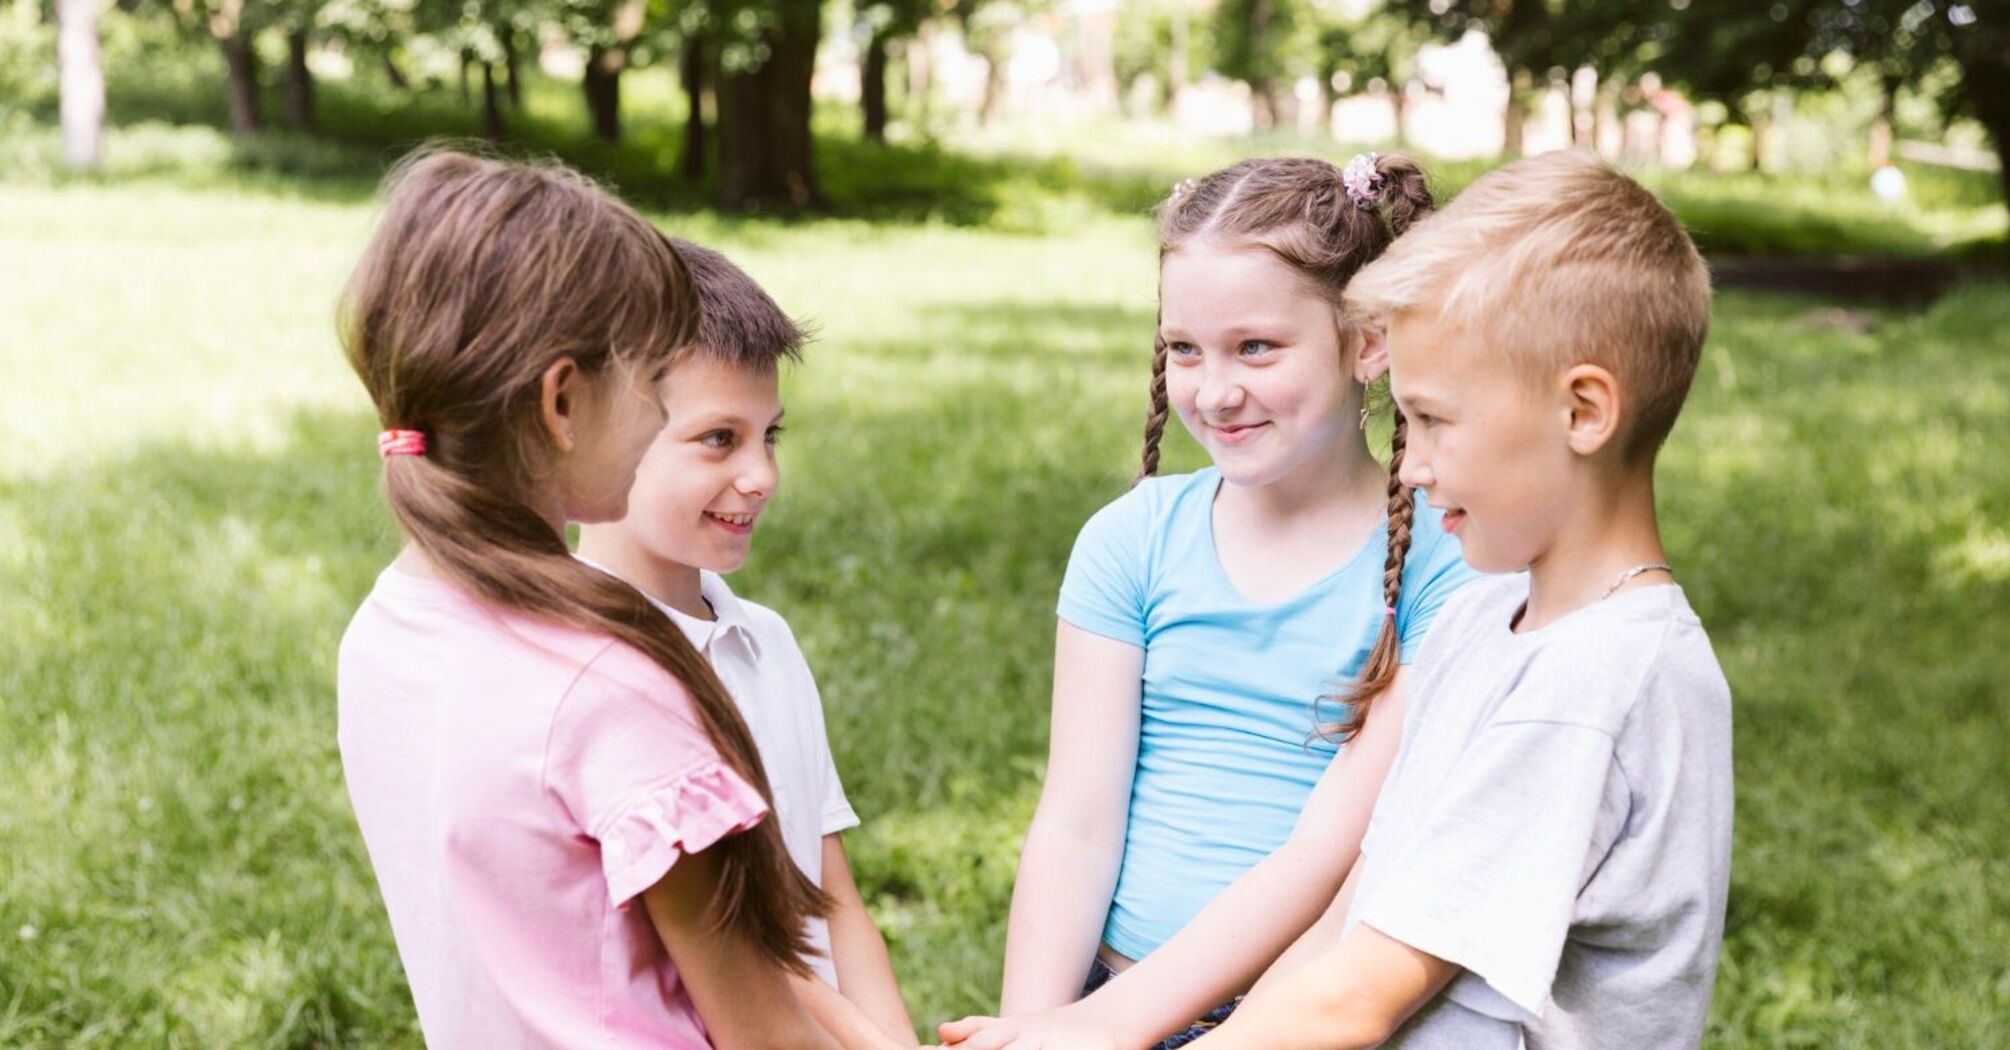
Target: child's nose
759,478
1416,471
1218,392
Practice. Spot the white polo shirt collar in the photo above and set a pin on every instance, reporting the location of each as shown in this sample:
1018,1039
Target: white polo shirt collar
729,617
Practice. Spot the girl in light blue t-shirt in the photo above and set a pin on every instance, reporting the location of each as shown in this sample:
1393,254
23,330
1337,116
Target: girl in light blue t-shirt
1202,616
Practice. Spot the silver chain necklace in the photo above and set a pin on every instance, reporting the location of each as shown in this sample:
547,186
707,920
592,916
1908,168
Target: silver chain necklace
1635,571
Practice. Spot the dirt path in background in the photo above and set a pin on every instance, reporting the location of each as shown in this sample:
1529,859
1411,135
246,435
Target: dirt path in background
1868,280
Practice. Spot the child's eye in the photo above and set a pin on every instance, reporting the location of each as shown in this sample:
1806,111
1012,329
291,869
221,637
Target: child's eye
1256,347
774,436
716,439
1182,349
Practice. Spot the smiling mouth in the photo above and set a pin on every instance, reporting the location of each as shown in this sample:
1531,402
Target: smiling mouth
1237,431
1452,520
735,521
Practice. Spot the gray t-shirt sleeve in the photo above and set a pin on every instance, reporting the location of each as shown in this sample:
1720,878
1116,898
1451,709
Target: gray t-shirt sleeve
1490,878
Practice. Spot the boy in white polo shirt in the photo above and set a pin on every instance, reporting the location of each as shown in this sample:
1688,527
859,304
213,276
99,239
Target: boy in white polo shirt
691,515
1546,865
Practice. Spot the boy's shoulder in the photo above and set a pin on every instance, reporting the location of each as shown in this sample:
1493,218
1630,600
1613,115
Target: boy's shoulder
1590,668
1599,665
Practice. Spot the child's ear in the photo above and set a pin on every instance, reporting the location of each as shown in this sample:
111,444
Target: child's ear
1592,395
1372,362
558,399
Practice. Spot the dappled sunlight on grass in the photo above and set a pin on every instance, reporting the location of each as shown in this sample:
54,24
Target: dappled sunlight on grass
188,514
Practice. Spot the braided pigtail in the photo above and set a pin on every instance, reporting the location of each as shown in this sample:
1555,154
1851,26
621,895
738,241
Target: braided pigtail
1378,672
1155,421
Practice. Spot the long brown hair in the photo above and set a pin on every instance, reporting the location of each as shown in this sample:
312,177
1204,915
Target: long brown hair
1300,209
482,275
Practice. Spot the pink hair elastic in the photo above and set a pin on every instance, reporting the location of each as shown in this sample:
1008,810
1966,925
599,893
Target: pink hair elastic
401,443
1388,610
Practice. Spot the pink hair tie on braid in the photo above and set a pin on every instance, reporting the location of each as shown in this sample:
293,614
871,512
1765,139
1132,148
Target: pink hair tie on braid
1388,610
1363,182
401,443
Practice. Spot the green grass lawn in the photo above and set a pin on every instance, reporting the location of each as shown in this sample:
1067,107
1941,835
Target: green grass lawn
188,515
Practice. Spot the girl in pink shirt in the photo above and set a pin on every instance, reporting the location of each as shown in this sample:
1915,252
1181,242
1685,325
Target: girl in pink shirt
561,802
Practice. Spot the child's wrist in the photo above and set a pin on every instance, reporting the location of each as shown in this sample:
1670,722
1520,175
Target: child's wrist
1106,1017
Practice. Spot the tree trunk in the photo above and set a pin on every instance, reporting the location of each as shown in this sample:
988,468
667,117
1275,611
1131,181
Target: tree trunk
1515,115
1763,131
1985,78
242,85
764,117
397,76
1261,93
1605,120
512,67
872,87
691,70
299,81
467,65
994,82
1263,103
920,73
81,81
1584,109
492,116
1399,100
602,84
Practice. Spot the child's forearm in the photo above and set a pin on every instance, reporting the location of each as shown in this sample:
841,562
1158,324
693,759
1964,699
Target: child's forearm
1059,902
1355,995
843,1019
1322,937
865,977
858,952
1224,948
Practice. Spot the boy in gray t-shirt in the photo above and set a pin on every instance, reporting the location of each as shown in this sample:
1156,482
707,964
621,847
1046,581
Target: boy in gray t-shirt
1548,859
1558,823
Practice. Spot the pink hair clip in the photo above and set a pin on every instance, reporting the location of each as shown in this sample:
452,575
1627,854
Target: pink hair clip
1363,182
401,443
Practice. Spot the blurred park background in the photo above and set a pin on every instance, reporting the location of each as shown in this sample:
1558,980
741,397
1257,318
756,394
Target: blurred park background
957,192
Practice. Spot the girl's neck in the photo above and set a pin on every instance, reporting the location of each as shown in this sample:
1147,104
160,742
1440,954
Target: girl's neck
673,583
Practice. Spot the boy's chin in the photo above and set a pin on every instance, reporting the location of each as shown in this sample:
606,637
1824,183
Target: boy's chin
1481,558
722,561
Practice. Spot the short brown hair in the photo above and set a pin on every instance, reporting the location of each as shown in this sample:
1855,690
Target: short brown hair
739,323
1559,260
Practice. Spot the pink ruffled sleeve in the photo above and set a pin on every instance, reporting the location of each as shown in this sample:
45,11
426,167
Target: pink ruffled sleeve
629,761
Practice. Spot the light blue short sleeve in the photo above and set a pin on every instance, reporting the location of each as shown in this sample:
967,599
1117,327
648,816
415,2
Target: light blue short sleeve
1104,589
1434,571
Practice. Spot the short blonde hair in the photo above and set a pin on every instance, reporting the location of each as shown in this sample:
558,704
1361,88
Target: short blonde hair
1553,261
